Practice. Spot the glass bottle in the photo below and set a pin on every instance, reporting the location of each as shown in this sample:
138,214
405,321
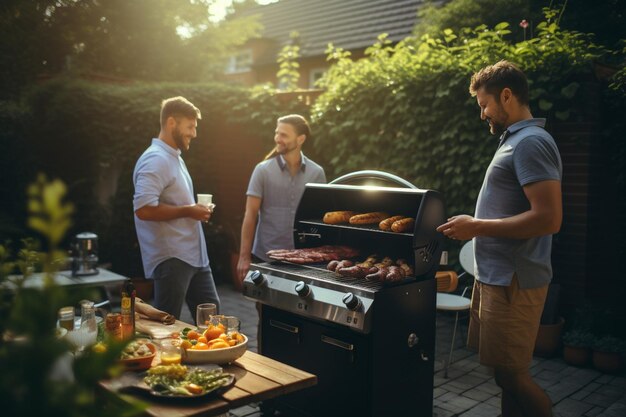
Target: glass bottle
66,318
88,332
128,309
88,316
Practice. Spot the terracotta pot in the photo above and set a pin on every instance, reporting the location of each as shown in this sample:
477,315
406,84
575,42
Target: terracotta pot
576,355
608,362
549,338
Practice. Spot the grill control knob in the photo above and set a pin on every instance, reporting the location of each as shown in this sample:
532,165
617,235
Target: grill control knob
351,301
256,277
302,289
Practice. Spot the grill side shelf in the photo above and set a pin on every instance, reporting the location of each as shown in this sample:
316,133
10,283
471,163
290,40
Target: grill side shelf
369,228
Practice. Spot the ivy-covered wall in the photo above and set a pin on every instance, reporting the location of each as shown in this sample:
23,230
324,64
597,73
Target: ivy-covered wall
406,109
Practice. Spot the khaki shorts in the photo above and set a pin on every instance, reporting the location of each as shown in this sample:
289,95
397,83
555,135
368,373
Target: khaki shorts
504,322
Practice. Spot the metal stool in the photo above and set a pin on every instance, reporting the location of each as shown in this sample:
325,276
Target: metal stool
457,303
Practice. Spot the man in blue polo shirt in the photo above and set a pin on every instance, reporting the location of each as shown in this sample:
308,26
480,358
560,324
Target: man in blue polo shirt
167,219
518,209
275,189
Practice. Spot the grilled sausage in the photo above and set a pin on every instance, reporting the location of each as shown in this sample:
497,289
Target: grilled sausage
406,267
403,225
394,274
379,275
369,218
353,272
386,224
332,265
387,261
343,264
337,217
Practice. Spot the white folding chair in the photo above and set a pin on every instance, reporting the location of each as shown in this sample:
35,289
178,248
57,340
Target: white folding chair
457,303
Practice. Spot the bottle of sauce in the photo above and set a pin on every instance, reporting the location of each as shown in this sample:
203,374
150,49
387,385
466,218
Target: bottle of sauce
128,310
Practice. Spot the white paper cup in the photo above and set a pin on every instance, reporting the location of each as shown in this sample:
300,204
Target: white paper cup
205,199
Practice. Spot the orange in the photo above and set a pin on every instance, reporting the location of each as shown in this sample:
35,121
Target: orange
202,339
192,335
200,346
220,344
237,336
213,332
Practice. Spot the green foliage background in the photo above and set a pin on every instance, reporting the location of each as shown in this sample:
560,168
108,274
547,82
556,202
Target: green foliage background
82,132
406,108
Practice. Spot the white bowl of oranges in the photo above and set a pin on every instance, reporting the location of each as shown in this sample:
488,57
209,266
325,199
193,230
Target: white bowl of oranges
212,345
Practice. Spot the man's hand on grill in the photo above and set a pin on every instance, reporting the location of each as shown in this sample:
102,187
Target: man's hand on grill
461,227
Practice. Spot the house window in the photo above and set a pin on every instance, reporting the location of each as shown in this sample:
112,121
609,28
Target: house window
314,75
239,62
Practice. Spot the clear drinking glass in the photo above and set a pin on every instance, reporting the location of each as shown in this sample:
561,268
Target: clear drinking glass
204,312
230,323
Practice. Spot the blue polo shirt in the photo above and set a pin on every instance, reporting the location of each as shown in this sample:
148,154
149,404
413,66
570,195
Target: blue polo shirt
280,194
161,176
527,155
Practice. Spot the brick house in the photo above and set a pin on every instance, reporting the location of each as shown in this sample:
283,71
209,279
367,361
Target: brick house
352,25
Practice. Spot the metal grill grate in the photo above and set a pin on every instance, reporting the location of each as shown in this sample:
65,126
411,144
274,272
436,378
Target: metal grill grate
319,272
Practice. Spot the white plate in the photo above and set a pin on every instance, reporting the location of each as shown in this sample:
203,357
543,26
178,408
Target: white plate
217,356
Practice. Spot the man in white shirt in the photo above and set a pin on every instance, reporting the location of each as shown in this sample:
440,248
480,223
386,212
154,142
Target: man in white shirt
167,219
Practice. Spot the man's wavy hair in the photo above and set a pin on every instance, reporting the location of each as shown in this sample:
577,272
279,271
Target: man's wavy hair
495,78
178,107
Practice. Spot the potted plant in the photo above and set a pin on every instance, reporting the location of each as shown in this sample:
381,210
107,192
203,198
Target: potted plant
577,347
608,354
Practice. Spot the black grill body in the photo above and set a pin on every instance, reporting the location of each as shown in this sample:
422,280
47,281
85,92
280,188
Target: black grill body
373,360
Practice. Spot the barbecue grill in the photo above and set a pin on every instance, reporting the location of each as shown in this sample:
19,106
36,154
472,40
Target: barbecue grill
371,344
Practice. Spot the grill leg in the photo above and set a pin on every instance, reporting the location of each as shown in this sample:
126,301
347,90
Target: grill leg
456,321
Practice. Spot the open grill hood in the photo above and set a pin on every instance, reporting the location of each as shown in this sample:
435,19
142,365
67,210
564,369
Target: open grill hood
313,291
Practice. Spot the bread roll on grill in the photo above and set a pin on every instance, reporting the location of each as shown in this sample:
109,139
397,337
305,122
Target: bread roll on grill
369,218
337,217
386,224
404,225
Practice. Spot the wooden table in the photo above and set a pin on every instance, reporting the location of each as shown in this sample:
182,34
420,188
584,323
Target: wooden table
258,378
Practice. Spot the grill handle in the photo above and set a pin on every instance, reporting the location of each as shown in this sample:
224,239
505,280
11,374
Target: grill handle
283,326
335,342
373,174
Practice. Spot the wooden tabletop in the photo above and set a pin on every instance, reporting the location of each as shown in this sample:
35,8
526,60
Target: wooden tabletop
258,378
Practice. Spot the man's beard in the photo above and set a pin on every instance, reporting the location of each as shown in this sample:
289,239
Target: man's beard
179,140
496,128
282,150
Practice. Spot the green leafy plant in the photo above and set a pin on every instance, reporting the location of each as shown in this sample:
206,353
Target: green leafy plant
578,338
40,376
288,66
609,344
406,109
